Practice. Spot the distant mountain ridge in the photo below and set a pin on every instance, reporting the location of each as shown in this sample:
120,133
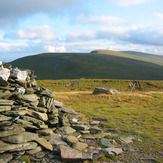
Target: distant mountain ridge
98,64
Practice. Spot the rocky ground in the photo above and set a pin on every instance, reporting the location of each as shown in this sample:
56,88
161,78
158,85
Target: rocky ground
34,127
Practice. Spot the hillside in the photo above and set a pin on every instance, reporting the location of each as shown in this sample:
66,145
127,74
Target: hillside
97,65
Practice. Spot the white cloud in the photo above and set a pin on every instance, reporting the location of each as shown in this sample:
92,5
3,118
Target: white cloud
9,46
160,15
12,10
43,32
106,20
57,48
126,3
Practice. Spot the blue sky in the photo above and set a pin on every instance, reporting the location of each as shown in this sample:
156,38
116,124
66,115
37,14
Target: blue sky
30,27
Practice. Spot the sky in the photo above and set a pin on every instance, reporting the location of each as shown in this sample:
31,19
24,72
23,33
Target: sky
29,27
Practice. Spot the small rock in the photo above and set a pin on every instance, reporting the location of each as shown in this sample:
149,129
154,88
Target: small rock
30,97
106,142
126,140
58,104
6,158
80,127
34,151
69,154
45,132
80,146
68,130
95,123
6,102
39,155
95,130
45,143
71,139
12,132
112,151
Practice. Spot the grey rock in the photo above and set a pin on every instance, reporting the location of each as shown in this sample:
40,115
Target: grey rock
29,91
58,104
112,151
102,90
5,95
80,146
127,140
100,119
5,118
4,158
106,142
12,132
6,102
80,127
56,139
70,139
68,130
35,121
69,154
3,82
30,97
40,155
37,115
45,132
4,73
95,130
22,83
16,147
18,74
43,142
34,151
20,138
46,92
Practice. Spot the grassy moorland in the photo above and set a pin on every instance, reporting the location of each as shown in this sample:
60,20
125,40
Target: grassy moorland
95,65
138,113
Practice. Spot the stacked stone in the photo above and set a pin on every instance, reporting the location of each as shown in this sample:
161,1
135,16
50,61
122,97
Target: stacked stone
32,123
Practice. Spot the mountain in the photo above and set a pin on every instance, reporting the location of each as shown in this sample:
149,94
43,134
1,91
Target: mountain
99,64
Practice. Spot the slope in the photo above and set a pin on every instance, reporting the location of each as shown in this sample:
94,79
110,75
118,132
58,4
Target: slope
89,65
156,59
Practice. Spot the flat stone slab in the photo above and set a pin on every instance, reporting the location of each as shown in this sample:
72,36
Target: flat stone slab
12,132
16,147
20,138
5,118
58,104
30,97
69,154
43,142
112,151
6,158
6,102
106,142
80,146
38,115
126,140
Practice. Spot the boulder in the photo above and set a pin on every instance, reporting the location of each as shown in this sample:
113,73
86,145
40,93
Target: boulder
4,73
102,90
18,74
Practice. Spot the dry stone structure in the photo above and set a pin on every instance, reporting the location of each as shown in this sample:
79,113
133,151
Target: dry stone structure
34,125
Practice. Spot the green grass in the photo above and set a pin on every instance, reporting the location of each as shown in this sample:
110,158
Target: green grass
112,65
90,84
139,113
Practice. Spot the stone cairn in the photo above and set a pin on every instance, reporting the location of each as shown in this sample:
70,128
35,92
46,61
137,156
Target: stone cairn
35,126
